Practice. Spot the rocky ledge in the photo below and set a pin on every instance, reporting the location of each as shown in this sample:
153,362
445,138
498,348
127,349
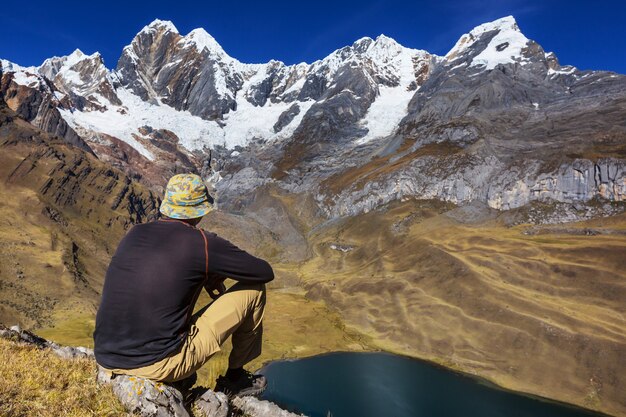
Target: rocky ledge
147,398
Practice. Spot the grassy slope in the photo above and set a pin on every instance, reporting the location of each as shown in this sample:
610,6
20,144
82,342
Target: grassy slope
294,327
60,388
537,313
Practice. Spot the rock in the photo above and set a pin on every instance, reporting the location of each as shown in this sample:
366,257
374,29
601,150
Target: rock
24,336
213,404
144,397
258,408
38,106
286,117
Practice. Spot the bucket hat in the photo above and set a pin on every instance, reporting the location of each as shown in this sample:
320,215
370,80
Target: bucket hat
186,197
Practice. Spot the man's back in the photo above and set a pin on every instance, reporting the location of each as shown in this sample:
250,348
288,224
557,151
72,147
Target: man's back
149,292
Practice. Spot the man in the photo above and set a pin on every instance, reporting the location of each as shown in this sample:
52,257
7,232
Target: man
145,326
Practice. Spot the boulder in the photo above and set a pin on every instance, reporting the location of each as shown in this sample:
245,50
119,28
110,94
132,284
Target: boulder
212,404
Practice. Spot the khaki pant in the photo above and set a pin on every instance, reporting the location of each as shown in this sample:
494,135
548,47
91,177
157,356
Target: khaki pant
237,312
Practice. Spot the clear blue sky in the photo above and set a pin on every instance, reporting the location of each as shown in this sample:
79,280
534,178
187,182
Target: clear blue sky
587,34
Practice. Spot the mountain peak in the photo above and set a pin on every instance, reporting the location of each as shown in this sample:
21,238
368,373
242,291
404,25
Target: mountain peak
382,38
381,42
202,39
78,56
74,57
77,53
157,24
505,43
503,24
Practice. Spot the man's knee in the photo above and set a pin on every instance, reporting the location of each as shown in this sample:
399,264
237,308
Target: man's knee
255,286
259,289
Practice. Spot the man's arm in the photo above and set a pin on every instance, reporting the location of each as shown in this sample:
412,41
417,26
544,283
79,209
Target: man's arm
228,261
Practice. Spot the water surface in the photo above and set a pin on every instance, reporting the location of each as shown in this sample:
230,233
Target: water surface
386,385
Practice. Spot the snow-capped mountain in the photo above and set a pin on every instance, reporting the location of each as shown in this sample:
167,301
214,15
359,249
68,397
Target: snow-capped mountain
233,102
178,102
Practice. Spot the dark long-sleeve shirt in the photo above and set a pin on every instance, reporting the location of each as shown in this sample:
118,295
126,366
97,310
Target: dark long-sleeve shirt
151,285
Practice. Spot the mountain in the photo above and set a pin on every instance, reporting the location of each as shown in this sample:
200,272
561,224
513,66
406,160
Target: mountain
428,200
61,222
373,112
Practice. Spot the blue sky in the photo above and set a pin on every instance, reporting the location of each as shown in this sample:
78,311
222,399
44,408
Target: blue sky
587,34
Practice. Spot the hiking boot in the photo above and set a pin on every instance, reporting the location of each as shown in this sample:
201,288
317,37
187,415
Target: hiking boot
185,385
245,384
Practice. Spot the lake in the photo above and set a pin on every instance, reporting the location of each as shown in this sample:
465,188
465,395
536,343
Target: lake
386,385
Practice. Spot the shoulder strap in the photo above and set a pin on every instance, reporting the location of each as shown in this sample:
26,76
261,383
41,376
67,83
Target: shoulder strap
206,256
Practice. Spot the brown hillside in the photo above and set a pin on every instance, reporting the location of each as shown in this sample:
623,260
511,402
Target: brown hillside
61,216
539,312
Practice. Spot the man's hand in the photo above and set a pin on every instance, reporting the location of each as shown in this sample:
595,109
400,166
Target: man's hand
215,287
217,291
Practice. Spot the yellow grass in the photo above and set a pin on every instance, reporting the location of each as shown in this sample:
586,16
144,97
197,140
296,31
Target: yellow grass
38,383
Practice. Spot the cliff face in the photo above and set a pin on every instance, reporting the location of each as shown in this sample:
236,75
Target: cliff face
36,104
80,83
488,180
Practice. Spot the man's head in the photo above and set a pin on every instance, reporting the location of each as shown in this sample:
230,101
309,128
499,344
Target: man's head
186,198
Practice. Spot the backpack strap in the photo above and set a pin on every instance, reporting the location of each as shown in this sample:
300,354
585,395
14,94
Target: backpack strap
206,256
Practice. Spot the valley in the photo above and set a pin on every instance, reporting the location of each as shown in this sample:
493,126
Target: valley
519,305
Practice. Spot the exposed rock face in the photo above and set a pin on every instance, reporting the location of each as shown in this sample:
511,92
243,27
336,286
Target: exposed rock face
82,84
185,71
36,104
367,111
501,186
581,180
213,404
84,79
72,179
482,127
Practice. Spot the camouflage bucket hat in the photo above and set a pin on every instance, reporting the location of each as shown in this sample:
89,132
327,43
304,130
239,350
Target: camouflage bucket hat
186,197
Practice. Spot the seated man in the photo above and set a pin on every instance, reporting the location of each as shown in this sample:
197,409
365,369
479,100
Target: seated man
145,326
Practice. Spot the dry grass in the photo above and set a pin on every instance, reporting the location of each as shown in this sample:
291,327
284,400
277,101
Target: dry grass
64,213
38,383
